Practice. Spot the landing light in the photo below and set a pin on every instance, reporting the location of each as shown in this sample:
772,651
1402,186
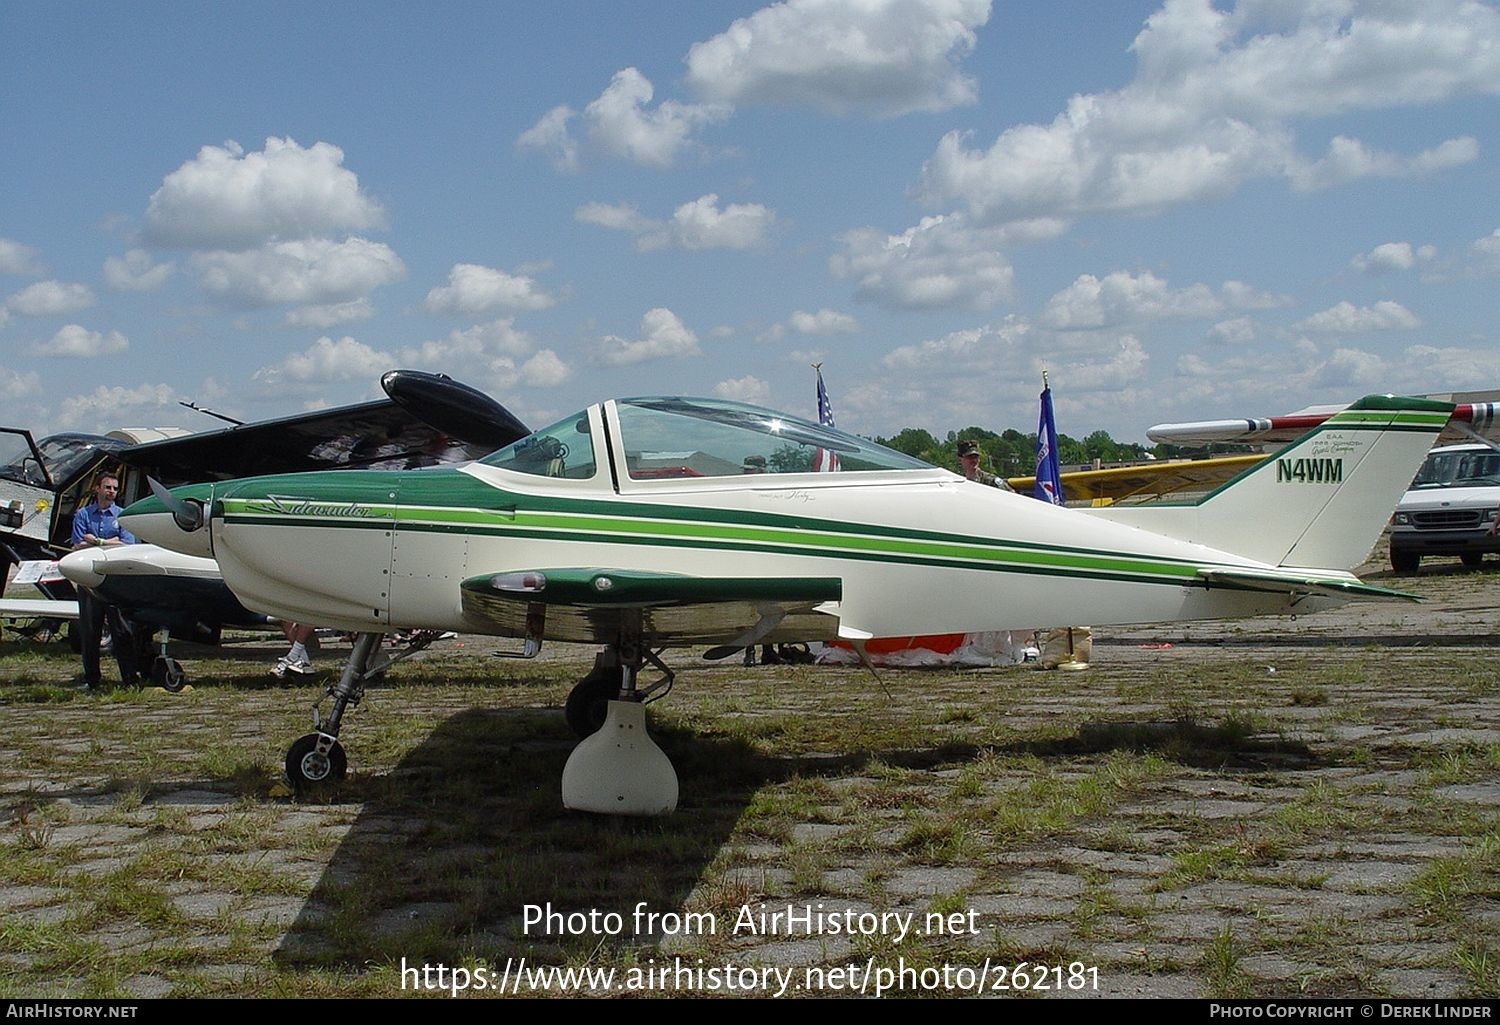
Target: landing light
525,582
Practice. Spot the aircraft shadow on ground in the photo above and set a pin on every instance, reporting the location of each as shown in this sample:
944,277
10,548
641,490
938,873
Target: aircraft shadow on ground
469,828
452,844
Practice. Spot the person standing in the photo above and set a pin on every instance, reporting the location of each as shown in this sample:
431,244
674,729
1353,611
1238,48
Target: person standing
97,525
295,661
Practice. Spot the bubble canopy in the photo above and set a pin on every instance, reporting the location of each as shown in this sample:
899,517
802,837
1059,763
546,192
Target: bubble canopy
689,437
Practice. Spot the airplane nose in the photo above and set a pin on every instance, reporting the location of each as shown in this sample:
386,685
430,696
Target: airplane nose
176,520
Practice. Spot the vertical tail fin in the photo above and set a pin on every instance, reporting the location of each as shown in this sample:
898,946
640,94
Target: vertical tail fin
1321,502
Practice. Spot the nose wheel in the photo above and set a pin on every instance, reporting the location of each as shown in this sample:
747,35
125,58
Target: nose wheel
167,674
314,759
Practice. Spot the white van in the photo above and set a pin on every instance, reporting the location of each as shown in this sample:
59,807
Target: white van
1449,509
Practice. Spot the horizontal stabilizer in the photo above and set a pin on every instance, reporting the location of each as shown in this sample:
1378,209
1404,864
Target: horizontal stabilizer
1285,583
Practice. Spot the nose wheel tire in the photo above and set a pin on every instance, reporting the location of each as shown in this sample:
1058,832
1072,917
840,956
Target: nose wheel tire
167,673
306,766
588,701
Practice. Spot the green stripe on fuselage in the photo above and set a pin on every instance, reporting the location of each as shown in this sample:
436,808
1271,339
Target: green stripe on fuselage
586,521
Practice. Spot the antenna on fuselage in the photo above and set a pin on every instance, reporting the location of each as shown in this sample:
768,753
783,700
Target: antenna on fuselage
208,412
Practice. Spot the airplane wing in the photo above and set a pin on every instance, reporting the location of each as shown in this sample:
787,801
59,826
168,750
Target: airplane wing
588,606
1292,583
371,435
37,608
1470,421
1147,482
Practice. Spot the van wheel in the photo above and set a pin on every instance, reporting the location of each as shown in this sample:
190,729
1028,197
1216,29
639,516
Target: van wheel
1471,558
1404,562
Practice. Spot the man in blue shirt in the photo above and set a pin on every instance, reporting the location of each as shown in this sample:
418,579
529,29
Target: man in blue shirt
97,525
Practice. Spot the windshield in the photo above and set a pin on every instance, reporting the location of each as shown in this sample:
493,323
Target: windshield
18,459
565,449
678,437
63,456
1469,468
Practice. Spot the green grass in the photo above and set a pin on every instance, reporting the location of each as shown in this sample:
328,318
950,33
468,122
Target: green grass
142,836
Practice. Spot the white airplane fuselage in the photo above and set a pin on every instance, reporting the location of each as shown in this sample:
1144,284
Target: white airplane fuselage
926,553
917,549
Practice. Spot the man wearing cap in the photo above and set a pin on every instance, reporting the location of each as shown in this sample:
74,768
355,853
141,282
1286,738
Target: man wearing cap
968,464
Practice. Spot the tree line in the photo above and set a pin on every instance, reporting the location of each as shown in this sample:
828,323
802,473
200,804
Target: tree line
1013,454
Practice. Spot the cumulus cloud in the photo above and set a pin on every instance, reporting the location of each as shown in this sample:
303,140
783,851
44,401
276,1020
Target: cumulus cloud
1487,251
1351,369
1392,256
15,385
621,124
939,263
616,217
472,289
749,389
551,135
16,258
1240,296
225,198
1346,318
545,370
107,405
824,322
994,344
700,224
991,374
495,356
469,347
77,342
887,57
330,314
662,335
1123,298
1214,103
1349,159
312,272
136,271
1239,331
50,299
327,360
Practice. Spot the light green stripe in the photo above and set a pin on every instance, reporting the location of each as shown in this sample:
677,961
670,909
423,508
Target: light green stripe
607,529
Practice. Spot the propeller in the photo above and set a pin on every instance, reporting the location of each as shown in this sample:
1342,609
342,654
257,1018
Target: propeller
186,514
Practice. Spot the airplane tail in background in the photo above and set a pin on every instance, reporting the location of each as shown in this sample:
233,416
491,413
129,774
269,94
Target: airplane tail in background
1321,502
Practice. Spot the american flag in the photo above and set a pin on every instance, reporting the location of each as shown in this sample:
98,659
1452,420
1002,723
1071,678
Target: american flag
824,461
1048,476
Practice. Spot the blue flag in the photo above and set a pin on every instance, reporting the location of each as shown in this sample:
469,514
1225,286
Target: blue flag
824,461
1048,477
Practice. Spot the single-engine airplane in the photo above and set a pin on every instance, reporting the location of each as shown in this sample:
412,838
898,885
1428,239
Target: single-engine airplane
631,525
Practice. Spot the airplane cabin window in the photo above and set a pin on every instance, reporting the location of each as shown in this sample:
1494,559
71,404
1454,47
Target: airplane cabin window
681,437
565,449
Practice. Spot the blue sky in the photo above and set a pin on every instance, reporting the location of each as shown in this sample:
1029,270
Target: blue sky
1181,210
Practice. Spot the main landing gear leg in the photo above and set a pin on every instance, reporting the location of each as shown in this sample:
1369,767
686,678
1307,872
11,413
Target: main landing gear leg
619,770
319,757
